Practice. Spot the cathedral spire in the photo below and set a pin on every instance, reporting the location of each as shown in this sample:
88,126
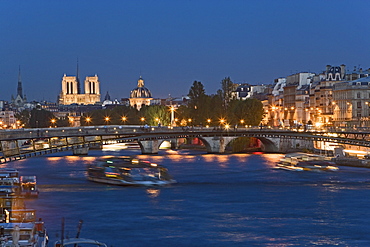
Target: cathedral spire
19,88
107,96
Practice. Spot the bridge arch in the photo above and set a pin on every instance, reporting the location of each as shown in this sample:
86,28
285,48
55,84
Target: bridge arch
268,145
150,146
216,144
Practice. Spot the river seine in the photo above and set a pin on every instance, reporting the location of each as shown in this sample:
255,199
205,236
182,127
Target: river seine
219,200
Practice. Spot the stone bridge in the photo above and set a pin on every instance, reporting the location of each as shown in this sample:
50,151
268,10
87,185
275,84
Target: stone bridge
24,143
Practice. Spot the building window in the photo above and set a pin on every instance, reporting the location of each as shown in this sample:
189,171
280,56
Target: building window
359,104
358,95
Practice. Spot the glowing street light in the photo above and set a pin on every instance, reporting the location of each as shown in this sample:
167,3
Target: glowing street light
142,119
124,119
88,120
107,119
53,121
189,121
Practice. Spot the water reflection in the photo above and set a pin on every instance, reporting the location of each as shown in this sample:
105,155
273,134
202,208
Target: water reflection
236,200
53,160
272,159
153,192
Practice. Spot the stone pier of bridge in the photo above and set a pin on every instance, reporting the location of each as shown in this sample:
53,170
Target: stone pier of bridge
216,144
150,147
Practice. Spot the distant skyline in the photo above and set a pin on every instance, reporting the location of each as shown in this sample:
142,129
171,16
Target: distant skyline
172,43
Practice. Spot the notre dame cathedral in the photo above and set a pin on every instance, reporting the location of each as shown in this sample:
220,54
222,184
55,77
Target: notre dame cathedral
71,93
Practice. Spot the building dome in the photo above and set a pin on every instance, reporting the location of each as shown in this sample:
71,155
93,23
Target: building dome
140,91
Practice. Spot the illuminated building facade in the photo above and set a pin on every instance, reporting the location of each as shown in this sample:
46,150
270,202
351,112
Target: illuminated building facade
70,93
140,95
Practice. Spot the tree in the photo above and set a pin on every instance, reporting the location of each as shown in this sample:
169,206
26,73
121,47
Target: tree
249,110
114,116
155,114
24,117
196,94
216,110
63,122
227,87
198,102
40,118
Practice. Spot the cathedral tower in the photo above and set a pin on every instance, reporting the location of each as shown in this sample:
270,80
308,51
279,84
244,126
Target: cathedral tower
71,94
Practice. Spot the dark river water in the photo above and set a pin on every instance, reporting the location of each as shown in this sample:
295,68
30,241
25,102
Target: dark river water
219,200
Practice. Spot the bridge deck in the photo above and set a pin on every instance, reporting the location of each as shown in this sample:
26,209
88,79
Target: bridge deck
25,143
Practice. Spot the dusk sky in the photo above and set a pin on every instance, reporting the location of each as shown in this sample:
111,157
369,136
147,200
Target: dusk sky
172,43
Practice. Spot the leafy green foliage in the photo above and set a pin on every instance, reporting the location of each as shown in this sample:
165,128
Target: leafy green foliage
41,118
249,110
156,114
115,116
227,87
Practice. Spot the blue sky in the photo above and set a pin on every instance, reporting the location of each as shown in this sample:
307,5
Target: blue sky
171,43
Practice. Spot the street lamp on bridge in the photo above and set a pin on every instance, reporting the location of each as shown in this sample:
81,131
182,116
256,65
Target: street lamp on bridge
88,120
173,122
107,119
208,122
53,121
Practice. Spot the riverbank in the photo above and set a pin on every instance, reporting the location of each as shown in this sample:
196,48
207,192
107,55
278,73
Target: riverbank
349,161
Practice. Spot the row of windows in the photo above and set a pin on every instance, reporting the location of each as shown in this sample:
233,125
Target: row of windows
359,95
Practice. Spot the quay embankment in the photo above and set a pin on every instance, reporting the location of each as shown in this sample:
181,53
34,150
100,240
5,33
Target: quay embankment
349,161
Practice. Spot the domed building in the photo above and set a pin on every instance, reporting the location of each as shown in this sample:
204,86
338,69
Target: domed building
140,95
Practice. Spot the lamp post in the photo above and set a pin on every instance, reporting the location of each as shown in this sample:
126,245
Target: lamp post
124,119
53,121
208,122
107,119
222,122
142,119
173,123
88,120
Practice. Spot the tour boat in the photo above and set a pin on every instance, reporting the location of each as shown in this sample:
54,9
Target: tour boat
288,167
29,186
20,228
305,162
13,184
78,242
317,165
128,171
